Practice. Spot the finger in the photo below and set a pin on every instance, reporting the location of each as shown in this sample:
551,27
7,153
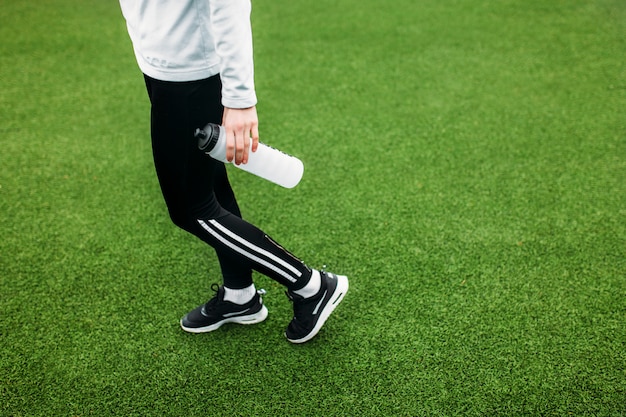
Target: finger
239,146
246,145
255,137
230,145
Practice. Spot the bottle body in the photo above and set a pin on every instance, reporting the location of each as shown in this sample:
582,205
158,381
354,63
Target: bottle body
267,162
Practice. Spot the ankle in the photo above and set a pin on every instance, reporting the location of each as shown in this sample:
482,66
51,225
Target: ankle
312,287
239,296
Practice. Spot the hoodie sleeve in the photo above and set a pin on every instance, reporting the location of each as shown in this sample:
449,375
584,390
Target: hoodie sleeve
232,33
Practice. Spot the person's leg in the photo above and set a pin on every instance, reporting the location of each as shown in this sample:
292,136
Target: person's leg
190,182
236,276
188,177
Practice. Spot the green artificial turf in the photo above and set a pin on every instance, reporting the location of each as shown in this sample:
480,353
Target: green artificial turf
465,166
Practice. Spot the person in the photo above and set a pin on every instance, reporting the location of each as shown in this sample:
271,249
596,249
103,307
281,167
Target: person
197,62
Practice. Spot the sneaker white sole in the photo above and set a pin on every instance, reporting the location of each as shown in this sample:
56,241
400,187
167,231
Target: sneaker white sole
258,317
340,291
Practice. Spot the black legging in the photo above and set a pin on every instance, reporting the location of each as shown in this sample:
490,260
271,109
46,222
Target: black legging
198,195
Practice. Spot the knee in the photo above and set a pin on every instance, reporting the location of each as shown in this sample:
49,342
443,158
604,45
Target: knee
181,219
188,219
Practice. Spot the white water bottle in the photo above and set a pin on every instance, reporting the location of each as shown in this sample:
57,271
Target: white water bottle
267,162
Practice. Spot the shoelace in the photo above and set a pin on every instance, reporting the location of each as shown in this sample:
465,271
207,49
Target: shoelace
210,305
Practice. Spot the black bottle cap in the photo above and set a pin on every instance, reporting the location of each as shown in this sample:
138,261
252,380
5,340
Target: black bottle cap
207,137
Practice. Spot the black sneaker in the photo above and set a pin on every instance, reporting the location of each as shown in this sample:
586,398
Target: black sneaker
310,314
216,311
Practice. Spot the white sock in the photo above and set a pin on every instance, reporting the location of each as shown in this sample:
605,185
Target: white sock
312,287
241,296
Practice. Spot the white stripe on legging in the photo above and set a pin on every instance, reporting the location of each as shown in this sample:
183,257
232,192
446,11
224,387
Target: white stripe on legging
251,246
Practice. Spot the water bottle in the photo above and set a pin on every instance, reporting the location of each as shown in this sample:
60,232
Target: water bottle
267,162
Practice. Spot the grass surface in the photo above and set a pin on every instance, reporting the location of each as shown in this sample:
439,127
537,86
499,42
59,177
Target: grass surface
465,166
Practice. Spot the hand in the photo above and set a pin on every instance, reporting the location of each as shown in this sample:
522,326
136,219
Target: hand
241,125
